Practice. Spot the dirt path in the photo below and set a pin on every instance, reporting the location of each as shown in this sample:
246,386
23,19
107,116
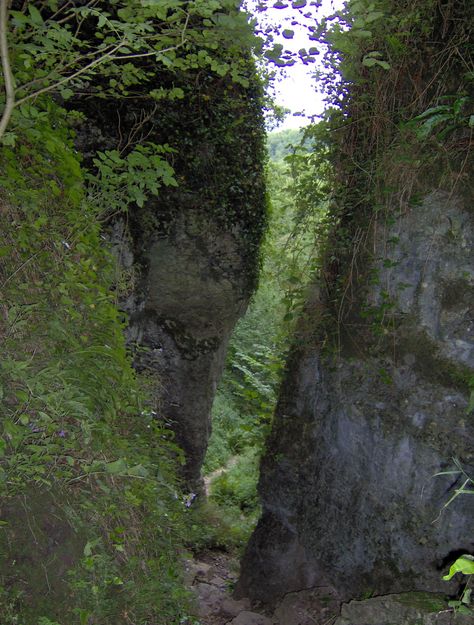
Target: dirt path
212,476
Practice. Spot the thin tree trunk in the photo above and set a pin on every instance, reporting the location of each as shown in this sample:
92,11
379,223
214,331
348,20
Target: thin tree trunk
6,67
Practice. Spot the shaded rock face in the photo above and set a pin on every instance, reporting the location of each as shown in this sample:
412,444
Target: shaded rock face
193,288
349,494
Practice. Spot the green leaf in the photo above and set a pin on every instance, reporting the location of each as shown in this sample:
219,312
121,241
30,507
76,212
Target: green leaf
35,15
363,34
102,20
66,94
431,123
372,17
116,467
442,108
466,596
88,549
9,138
369,61
288,33
139,471
470,406
464,565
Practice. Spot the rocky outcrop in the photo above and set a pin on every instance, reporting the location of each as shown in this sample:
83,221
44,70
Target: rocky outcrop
350,495
190,255
193,288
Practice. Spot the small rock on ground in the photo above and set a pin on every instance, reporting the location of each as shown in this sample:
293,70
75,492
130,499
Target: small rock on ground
211,581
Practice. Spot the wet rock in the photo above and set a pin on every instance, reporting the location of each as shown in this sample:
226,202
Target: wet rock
218,581
208,599
308,607
196,570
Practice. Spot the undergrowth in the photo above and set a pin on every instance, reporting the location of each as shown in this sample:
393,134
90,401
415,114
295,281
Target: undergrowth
87,473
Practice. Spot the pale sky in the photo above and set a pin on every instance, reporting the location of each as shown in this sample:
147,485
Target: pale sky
295,89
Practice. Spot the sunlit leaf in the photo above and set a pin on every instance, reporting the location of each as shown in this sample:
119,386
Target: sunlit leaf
464,564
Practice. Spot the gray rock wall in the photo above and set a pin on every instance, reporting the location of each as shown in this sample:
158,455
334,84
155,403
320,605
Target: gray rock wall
350,497
193,288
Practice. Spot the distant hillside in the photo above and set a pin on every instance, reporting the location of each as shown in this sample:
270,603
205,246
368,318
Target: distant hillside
278,142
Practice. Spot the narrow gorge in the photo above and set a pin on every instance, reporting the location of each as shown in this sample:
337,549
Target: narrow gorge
144,210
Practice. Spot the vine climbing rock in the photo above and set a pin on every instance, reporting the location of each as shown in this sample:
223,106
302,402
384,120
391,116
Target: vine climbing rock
351,496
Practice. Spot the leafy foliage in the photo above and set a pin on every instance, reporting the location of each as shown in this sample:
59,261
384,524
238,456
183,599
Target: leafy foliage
110,48
70,402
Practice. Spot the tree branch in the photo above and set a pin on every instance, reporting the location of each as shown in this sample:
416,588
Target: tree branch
66,79
11,103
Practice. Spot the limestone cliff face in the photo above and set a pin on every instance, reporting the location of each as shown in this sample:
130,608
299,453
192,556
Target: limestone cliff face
193,287
190,255
350,497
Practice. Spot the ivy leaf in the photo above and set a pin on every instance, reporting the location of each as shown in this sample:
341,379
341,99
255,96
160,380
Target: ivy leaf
288,33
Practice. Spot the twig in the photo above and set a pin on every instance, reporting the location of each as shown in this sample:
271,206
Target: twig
55,85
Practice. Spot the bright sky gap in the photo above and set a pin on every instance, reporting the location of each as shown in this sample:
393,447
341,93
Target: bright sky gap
295,87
